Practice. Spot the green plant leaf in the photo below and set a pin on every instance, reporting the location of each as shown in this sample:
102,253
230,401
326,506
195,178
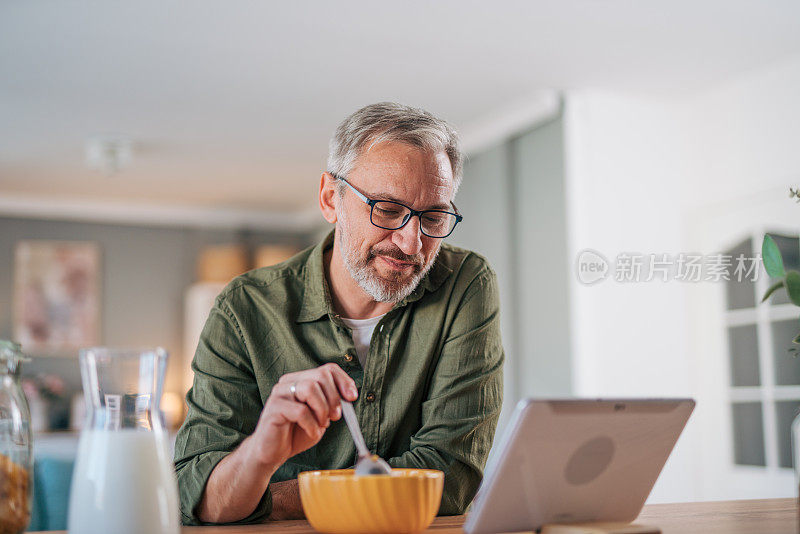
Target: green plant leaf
793,286
772,289
773,262
796,339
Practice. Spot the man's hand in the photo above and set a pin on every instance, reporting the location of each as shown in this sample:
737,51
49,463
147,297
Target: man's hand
290,422
298,410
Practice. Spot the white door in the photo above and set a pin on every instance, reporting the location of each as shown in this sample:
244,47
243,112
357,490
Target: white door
747,382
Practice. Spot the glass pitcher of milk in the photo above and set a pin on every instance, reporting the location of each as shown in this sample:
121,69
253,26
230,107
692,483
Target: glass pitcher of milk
124,480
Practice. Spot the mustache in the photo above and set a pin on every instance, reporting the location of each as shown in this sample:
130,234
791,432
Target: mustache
398,255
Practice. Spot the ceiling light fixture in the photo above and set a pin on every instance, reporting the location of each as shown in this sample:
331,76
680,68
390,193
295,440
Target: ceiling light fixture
108,154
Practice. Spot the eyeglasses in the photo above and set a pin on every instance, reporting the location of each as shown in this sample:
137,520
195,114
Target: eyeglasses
391,215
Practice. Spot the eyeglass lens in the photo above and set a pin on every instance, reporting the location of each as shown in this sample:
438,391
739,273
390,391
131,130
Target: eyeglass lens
392,216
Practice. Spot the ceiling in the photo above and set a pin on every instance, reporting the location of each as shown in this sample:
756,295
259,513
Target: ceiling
230,104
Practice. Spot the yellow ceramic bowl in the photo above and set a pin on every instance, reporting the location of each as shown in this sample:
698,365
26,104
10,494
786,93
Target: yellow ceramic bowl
337,501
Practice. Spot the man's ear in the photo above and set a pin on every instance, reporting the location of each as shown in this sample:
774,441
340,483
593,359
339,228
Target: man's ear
328,197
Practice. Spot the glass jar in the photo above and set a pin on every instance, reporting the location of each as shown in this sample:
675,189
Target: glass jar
124,480
16,444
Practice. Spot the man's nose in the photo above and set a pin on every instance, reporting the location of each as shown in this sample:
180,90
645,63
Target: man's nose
409,238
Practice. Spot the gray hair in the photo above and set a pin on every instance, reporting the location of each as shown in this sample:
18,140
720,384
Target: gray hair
390,121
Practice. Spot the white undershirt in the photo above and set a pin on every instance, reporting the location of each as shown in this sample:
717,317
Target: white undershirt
362,334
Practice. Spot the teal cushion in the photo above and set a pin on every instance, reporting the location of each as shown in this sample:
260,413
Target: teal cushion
51,482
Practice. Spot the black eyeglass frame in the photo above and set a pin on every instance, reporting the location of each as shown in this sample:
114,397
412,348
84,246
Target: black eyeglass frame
371,203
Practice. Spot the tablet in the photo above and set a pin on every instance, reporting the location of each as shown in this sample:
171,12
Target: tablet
576,460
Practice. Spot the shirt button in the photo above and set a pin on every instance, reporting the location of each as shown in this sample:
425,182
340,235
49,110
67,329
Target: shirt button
370,397
348,357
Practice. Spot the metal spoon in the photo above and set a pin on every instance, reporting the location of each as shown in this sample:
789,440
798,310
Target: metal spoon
367,464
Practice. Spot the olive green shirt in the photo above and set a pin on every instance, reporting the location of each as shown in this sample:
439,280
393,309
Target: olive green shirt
429,395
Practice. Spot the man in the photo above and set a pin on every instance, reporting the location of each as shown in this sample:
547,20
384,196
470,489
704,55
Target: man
381,313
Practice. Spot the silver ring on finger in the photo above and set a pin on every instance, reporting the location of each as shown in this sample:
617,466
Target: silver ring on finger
293,391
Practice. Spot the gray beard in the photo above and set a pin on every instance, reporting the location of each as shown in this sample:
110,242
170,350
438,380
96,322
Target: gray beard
379,289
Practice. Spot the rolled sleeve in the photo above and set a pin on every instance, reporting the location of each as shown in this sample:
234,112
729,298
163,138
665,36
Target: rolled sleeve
460,413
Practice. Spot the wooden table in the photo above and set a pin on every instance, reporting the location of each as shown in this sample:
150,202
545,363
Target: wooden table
769,516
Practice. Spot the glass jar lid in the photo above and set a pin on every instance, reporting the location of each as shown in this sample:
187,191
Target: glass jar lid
11,355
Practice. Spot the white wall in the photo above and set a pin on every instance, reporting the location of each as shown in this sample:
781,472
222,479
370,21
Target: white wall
623,191
746,137
623,187
639,171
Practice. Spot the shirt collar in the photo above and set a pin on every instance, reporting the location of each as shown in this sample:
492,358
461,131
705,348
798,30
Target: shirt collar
316,293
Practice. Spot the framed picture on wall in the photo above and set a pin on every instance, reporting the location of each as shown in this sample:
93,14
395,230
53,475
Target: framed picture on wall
56,295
